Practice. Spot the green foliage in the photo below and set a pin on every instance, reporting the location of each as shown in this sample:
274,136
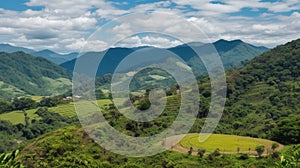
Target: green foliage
9,160
287,130
260,150
51,101
5,106
24,103
244,156
291,158
144,104
201,152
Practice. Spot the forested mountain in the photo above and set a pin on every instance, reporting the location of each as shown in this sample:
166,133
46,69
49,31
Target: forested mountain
232,53
22,74
263,96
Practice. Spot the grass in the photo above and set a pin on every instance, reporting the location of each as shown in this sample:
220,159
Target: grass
17,117
226,143
37,98
67,110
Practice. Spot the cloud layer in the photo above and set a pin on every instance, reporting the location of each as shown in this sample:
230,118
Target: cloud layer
65,26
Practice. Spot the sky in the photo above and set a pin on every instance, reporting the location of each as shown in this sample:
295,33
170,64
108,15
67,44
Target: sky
66,25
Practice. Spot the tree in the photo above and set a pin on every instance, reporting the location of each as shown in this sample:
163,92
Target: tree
51,101
27,119
144,104
24,103
260,150
5,106
201,152
190,151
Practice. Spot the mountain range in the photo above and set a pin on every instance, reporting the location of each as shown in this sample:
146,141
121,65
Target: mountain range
232,53
48,54
21,73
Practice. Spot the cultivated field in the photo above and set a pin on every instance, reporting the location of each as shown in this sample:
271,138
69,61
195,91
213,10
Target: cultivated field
227,143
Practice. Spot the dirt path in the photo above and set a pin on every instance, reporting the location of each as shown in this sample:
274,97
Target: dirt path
172,143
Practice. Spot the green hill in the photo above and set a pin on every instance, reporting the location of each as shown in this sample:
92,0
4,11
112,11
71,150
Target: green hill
23,74
263,96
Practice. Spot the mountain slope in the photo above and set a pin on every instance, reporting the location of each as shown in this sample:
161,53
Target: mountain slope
265,94
233,53
32,75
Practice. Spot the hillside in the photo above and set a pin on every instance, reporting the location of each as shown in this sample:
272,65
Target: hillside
263,96
232,53
22,74
72,147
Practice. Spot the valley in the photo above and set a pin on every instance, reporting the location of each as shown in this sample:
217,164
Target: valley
261,110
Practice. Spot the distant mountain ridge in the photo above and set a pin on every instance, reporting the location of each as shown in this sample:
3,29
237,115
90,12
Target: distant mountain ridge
48,54
224,48
232,53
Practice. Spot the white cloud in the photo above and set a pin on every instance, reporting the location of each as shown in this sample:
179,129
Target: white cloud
64,26
84,46
160,42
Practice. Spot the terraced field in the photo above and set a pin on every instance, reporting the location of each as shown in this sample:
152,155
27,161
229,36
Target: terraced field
226,143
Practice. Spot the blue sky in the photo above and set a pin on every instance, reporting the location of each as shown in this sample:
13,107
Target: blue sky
65,26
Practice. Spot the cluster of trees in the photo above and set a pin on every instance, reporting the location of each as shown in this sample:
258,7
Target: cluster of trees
26,103
23,103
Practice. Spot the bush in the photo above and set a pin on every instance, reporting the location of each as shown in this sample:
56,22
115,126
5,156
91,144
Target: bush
243,156
260,150
201,152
